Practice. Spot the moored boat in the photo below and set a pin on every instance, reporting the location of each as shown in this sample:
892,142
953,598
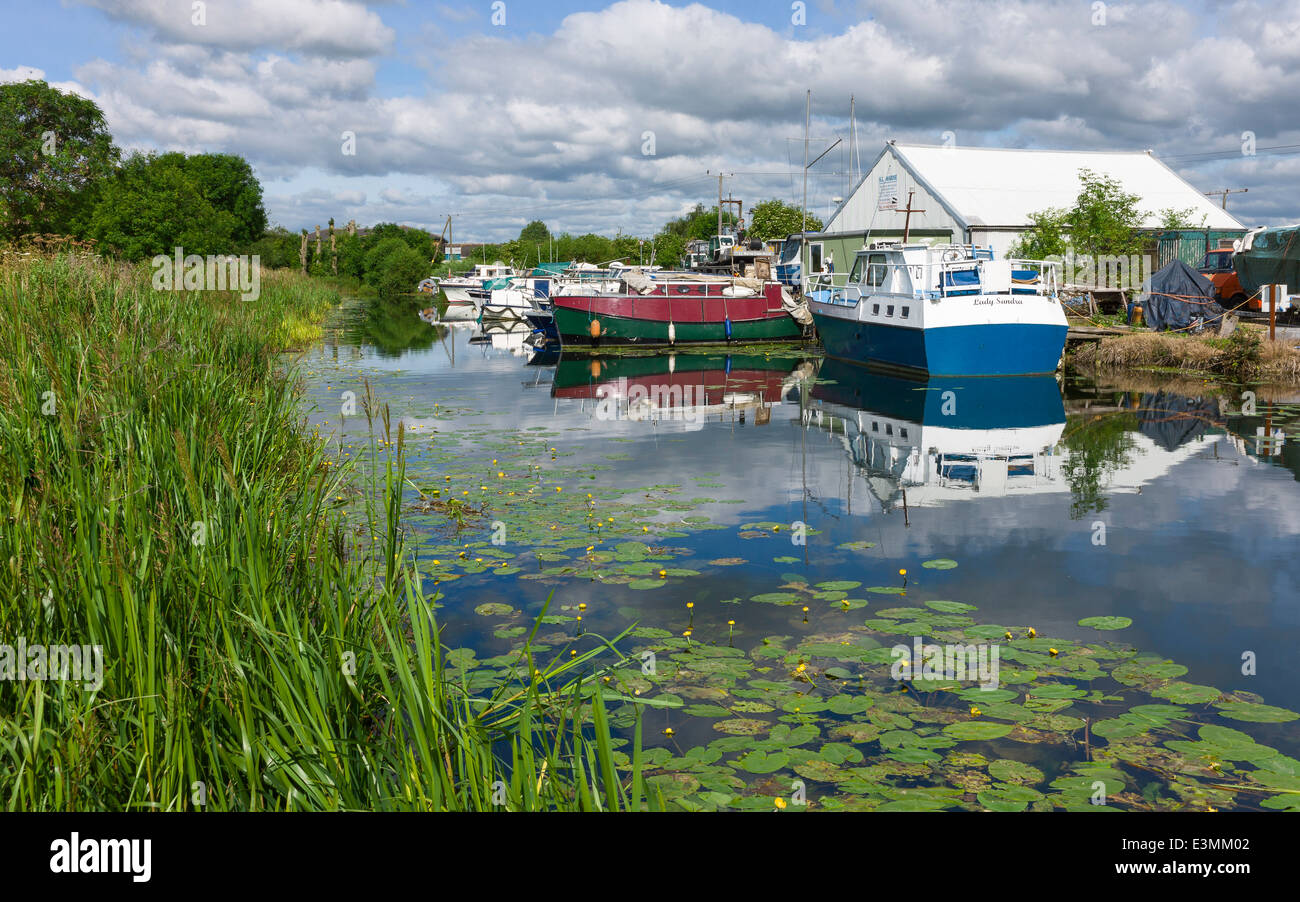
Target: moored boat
942,310
670,309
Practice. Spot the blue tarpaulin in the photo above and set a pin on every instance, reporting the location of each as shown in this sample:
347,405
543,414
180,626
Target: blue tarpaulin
1178,297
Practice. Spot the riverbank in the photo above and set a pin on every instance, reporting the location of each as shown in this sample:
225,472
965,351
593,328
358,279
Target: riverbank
1246,355
240,641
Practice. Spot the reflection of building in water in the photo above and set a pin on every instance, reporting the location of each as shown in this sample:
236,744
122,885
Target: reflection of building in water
930,443
686,388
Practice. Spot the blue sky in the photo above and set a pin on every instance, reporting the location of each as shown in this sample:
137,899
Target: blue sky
545,115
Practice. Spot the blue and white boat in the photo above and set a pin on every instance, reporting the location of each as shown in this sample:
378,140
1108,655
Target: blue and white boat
948,310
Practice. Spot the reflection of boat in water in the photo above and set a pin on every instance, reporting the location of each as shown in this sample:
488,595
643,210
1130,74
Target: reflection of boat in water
945,438
514,336
688,387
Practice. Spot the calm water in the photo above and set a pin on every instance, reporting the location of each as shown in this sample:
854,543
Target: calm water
1057,502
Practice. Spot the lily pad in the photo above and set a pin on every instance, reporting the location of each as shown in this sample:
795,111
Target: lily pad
1107,623
940,563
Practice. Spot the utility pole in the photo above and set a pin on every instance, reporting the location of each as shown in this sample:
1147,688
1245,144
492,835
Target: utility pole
1225,192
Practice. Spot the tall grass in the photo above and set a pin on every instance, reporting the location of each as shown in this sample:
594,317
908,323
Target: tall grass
162,500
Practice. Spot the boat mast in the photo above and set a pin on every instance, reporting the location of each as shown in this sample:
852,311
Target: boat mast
803,229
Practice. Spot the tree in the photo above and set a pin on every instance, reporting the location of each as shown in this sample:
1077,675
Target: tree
699,223
534,232
392,267
227,182
1045,237
1172,220
154,204
777,219
1105,219
54,149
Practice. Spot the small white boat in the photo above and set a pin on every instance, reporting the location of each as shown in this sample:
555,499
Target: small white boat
461,304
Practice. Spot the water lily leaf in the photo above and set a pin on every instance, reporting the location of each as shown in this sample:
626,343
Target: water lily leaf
742,726
1107,623
977,729
1010,771
493,609
1255,713
839,585
646,584
940,563
950,607
1188,693
762,762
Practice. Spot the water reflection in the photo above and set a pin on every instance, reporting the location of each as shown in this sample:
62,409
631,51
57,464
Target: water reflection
687,388
929,443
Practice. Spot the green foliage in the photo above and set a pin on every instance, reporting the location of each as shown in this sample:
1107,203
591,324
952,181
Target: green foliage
777,219
534,231
699,223
1240,355
1172,220
1045,237
42,191
1104,219
392,267
1098,447
206,203
254,639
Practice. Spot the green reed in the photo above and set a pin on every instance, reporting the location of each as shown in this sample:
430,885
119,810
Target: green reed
162,499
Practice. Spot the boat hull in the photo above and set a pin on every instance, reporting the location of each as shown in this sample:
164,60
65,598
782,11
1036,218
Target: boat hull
658,320
977,349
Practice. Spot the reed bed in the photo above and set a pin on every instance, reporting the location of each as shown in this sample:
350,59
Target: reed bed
1275,361
164,502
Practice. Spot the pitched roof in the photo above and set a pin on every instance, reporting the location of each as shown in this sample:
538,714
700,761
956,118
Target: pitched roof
1001,187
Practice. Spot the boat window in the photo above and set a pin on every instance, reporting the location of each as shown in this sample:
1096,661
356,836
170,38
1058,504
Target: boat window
855,275
875,427
815,257
875,310
876,270
902,433
889,429
889,311
903,313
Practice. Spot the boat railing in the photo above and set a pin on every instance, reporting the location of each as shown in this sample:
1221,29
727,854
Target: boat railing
939,279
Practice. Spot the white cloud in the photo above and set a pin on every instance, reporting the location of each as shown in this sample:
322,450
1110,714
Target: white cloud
515,125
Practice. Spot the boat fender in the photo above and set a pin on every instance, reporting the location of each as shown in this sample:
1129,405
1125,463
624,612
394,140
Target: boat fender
727,327
672,364
728,365
672,334
595,328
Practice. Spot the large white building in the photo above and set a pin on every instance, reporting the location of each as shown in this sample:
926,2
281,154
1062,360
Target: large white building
984,196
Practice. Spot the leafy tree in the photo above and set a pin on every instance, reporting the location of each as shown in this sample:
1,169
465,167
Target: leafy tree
392,267
54,149
699,223
534,232
154,204
1172,220
227,182
777,219
1105,219
1045,237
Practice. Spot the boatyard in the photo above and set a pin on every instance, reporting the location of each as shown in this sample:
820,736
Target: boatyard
641,408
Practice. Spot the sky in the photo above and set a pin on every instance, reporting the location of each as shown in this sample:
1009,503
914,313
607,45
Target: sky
608,117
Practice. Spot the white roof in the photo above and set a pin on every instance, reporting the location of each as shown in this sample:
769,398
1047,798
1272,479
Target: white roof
1000,187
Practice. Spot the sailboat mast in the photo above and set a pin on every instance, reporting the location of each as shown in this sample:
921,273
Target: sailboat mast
803,229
